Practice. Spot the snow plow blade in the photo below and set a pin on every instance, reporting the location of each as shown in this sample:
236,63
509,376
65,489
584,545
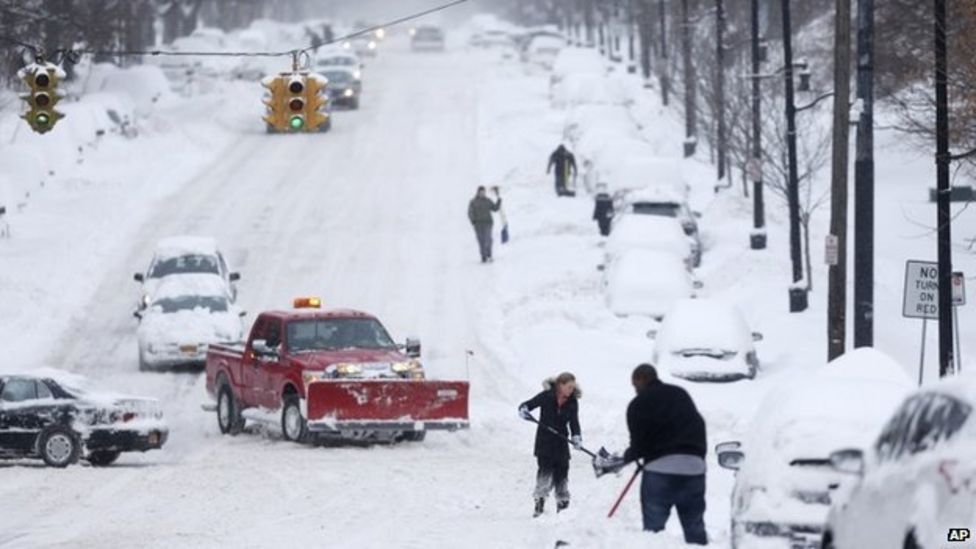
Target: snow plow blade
387,405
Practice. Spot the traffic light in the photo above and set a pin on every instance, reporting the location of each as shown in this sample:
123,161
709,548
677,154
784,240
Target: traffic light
315,101
296,102
42,79
276,117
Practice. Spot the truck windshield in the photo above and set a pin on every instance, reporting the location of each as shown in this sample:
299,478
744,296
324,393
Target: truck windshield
185,264
332,334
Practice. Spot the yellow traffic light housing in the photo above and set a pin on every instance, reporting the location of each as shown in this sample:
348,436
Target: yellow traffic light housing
315,102
276,116
42,79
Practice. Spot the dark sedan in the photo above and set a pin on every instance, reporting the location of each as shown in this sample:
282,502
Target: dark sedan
343,88
44,419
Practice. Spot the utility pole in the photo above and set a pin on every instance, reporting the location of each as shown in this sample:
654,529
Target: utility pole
864,181
720,84
837,284
663,65
691,104
798,295
757,240
942,164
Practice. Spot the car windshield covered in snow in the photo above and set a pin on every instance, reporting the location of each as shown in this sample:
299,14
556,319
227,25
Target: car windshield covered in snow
333,334
338,77
185,264
214,304
338,60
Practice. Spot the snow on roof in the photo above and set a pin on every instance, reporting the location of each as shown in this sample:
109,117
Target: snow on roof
652,232
657,193
630,171
202,284
703,324
176,246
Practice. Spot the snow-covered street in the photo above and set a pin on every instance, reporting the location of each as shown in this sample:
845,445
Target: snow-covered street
371,216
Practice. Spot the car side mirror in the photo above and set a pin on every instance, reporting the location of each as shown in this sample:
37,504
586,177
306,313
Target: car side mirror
727,446
757,336
138,277
601,267
849,461
234,277
698,284
261,349
651,334
242,314
731,459
412,347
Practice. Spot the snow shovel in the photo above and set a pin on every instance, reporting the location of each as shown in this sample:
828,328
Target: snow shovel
626,489
504,237
562,436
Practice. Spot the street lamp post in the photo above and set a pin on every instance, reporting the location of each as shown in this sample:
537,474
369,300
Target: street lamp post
757,239
798,294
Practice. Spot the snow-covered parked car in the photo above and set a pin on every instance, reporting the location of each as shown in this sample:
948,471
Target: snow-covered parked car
589,89
623,170
492,38
427,38
647,282
543,49
576,61
187,314
784,481
185,255
653,232
612,120
917,482
705,340
53,416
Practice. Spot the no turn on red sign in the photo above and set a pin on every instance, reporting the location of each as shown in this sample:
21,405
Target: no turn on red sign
921,299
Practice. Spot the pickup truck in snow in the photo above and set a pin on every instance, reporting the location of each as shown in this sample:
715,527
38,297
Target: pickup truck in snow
330,373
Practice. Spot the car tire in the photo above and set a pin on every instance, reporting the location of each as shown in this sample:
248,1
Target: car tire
58,446
293,426
229,418
827,542
103,458
354,105
911,542
414,436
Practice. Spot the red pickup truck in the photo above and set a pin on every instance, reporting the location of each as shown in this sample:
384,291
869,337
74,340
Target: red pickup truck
330,373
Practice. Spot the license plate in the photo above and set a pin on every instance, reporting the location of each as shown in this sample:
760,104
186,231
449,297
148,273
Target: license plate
188,349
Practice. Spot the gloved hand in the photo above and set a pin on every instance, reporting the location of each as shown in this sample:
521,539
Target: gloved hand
606,462
577,441
525,414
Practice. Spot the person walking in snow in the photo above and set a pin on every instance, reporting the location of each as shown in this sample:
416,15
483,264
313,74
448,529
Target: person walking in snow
480,214
667,435
564,162
559,409
603,209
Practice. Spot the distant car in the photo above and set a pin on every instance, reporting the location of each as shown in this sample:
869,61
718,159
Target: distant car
784,481
427,38
653,233
188,313
185,255
917,482
705,340
576,61
342,60
647,282
41,418
343,88
661,201
542,49
363,46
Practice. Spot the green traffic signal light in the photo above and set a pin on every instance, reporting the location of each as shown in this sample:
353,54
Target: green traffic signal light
42,119
296,122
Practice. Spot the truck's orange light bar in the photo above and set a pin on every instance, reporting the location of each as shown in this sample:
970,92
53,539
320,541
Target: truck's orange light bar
307,303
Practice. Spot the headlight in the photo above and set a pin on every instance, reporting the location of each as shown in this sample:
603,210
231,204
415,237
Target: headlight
403,367
348,369
311,376
346,45
371,45
357,75
145,301
348,93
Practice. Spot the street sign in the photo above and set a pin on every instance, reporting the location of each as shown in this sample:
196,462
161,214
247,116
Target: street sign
754,169
831,250
958,289
921,298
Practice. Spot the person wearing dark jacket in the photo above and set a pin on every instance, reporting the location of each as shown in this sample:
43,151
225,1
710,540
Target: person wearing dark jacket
480,214
603,209
667,436
564,162
559,408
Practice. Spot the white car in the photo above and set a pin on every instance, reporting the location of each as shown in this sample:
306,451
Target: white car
187,314
589,89
427,38
705,340
543,49
185,255
576,61
341,61
917,483
653,232
784,480
647,282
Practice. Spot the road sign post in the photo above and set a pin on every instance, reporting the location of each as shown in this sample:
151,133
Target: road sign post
921,300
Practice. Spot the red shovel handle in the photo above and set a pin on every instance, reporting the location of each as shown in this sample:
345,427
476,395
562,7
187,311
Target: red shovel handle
624,493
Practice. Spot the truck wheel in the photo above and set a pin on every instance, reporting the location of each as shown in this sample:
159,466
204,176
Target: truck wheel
103,458
228,413
414,436
58,446
293,425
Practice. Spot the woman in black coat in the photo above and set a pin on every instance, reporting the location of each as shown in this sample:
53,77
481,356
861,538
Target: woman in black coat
559,408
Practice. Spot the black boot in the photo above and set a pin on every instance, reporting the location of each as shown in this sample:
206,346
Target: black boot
540,504
561,505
